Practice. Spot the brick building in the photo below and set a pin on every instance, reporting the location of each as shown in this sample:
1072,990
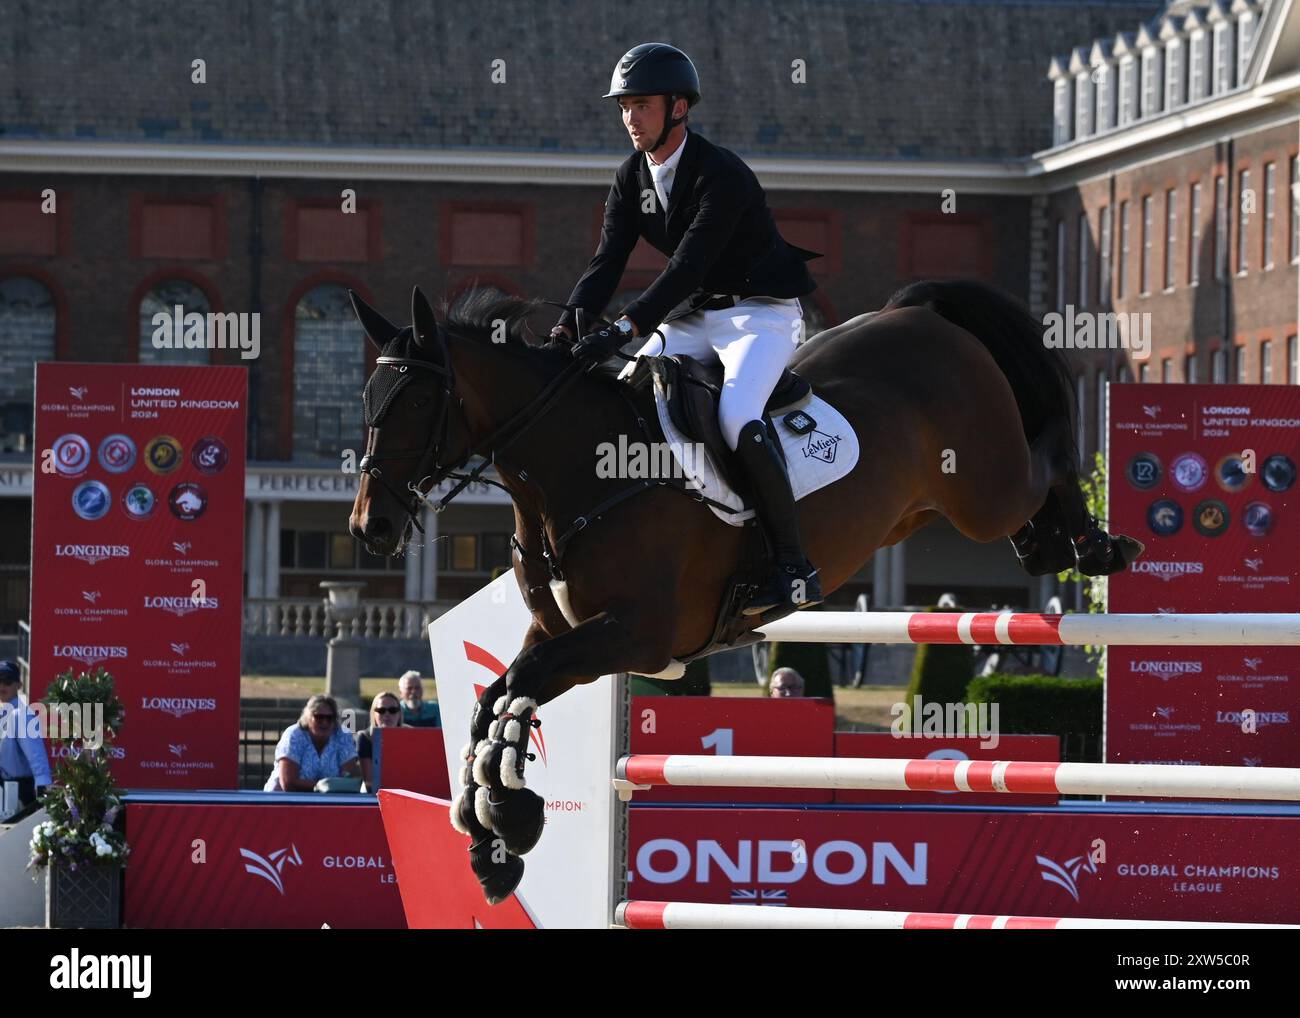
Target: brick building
201,158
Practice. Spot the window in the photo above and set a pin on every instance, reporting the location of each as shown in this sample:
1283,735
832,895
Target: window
1219,366
1122,286
311,549
1061,108
1222,57
1266,362
1292,360
1101,411
1295,208
1060,263
1171,235
1196,85
343,551
1167,369
1245,36
1270,205
462,553
1127,90
1189,369
1105,99
1239,359
1084,237
158,338
329,368
1194,246
496,552
1144,271
1103,275
1243,247
1150,82
1173,75
27,322
1220,228
1082,105
1144,372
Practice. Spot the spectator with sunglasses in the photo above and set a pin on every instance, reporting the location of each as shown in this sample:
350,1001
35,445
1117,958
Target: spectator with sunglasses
385,712
315,747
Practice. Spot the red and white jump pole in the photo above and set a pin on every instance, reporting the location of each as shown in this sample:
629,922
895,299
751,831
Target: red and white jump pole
674,915
637,773
1237,630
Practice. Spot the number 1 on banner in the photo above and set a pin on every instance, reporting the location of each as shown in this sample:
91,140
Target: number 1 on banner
719,740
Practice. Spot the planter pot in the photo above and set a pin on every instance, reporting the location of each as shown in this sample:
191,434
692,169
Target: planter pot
88,899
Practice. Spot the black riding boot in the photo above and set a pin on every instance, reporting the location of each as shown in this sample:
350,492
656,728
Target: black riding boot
794,582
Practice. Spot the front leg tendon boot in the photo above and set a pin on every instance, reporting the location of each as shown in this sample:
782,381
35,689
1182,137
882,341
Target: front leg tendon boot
509,808
794,583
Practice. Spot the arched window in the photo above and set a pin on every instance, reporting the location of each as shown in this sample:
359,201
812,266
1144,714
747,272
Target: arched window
158,335
329,366
26,336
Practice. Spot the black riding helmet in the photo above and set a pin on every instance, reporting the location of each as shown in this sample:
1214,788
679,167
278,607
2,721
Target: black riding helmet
655,68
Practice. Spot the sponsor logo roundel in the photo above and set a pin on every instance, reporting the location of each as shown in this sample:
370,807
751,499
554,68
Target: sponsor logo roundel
1165,517
210,455
117,454
1211,518
1278,473
1189,471
163,454
1258,518
1231,474
139,502
187,501
71,455
1144,471
90,500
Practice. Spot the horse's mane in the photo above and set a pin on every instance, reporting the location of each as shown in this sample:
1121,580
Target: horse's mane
478,314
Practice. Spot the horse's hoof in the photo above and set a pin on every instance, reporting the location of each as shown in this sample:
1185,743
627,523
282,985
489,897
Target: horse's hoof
498,872
518,818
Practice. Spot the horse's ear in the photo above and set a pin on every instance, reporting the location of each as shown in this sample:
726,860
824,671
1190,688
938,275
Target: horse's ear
423,321
379,330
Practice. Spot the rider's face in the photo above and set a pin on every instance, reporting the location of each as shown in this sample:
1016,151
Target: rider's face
643,116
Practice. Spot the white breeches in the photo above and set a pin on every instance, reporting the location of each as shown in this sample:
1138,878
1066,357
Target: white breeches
754,341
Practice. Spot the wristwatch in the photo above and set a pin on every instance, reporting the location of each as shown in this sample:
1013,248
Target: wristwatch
624,328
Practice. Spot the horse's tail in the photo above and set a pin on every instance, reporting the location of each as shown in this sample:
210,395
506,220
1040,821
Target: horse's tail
1039,375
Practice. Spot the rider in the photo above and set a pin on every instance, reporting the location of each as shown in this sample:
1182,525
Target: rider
732,283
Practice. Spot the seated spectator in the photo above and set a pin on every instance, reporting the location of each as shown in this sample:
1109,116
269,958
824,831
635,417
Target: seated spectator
313,748
22,759
385,712
416,711
786,682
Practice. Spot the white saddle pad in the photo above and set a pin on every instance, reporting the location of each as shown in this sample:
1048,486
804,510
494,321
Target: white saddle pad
816,458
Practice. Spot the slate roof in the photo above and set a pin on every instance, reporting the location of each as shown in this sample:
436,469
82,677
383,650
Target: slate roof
925,79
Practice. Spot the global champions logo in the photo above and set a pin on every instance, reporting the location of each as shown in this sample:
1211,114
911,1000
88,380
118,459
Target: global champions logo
271,867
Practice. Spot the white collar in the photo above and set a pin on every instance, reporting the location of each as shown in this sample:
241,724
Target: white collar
658,169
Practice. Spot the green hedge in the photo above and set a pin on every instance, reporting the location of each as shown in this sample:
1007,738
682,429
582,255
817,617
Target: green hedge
1041,704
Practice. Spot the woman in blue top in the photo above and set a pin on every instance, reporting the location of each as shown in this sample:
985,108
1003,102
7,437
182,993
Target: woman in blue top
314,748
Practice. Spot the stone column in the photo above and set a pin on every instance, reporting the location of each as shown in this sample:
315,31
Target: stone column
898,575
411,568
271,587
429,559
880,579
256,561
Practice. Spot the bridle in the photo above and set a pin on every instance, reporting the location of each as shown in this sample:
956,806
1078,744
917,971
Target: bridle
429,469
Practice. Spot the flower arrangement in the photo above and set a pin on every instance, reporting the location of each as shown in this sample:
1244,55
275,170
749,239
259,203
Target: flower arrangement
84,802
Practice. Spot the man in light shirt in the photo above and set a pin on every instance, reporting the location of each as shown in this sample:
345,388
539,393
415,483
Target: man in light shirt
22,758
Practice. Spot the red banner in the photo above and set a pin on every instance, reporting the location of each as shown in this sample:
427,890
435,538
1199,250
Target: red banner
735,726
1205,476
1101,865
259,867
137,556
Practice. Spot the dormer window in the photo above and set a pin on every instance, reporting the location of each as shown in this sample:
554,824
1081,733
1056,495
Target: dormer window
1223,63
1150,82
1196,58
1174,95
1061,107
1082,105
1105,98
1127,90
1245,36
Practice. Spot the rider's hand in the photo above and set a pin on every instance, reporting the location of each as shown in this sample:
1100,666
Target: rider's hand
597,346
562,331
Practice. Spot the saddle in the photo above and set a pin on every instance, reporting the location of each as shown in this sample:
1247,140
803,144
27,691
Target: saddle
692,390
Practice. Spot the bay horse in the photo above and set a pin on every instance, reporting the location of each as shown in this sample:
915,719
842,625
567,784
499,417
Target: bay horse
960,409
